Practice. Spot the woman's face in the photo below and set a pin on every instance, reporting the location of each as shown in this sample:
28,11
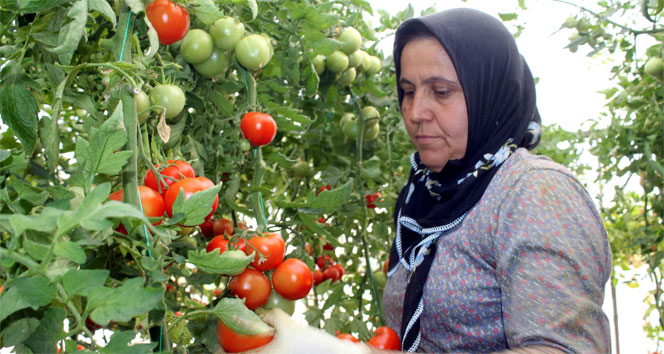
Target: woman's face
433,106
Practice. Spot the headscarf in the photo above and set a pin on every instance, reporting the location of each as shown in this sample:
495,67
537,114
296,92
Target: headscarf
502,116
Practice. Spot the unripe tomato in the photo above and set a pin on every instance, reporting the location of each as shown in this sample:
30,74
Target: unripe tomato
370,114
292,279
374,66
319,63
361,67
216,64
226,32
371,132
252,286
190,186
171,21
336,62
347,77
233,342
252,52
196,46
350,39
176,170
277,301
272,247
142,102
385,338
654,67
355,59
168,97
301,169
223,226
259,128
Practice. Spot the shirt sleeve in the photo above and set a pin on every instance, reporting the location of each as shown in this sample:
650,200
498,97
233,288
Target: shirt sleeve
552,263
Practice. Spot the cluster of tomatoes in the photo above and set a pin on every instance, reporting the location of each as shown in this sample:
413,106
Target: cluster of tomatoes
158,197
349,124
328,268
289,279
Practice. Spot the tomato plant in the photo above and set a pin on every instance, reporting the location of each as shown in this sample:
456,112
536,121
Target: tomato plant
385,338
272,248
292,279
171,21
252,286
259,128
233,342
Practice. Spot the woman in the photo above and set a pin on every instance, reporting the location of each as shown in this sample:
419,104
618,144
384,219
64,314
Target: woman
495,249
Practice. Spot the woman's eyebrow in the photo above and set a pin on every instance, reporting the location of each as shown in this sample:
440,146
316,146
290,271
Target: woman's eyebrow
433,79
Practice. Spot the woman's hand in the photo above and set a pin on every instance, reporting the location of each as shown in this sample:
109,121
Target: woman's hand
290,337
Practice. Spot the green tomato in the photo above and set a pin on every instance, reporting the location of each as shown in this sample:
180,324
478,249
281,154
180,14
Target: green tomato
350,40
350,129
168,97
361,67
196,46
245,145
252,52
374,65
142,102
337,62
269,43
347,77
215,65
301,169
654,67
370,112
226,32
380,278
583,25
277,301
355,59
346,119
371,131
319,63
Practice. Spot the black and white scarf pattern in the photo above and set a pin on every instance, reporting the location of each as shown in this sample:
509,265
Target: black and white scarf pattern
502,116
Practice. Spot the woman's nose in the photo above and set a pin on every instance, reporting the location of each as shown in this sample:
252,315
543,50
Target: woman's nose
420,108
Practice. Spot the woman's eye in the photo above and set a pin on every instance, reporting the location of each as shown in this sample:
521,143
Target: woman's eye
442,93
409,92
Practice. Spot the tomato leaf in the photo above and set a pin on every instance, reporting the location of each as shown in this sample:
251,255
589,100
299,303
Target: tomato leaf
50,331
26,292
239,318
45,222
18,109
120,341
84,281
34,6
69,250
231,262
197,206
72,33
104,9
254,8
112,305
329,201
18,331
206,11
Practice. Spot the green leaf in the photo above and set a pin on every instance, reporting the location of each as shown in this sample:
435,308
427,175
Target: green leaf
329,201
180,334
84,281
18,331
51,330
254,8
18,109
119,343
72,33
221,102
153,38
46,222
197,206
508,16
206,11
103,7
26,292
50,140
230,262
35,6
239,318
69,250
113,305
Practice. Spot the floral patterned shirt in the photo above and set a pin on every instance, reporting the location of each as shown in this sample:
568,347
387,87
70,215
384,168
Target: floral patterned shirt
527,266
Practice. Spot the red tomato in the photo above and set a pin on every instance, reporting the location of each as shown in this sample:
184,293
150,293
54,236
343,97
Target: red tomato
176,170
233,342
370,198
253,286
292,279
321,220
318,277
217,292
220,242
190,186
328,247
171,21
242,225
223,226
152,204
385,338
324,261
327,187
340,268
207,228
371,206
272,247
348,336
259,128
331,273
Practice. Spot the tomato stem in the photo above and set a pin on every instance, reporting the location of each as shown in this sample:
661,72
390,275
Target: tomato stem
256,197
